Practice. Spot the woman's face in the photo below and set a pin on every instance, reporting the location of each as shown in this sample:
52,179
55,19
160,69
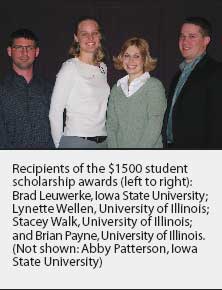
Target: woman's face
133,62
88,36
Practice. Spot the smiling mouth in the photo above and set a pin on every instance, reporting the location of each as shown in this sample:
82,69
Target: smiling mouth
90,43
24,59
131,67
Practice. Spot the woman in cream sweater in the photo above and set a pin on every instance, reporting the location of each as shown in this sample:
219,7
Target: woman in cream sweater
81,88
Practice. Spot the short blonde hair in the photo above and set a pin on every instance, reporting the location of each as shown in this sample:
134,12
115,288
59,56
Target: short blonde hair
143,46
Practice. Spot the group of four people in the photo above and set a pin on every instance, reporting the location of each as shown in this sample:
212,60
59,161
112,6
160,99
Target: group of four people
133,115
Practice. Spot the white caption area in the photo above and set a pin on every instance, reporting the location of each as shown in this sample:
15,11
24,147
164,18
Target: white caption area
110,219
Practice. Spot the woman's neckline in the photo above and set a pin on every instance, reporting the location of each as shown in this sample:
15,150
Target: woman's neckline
91,65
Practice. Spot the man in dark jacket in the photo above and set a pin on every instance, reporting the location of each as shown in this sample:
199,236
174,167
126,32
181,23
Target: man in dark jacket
25,96
193,117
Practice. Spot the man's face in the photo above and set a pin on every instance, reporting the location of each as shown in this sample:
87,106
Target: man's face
23,53
191,42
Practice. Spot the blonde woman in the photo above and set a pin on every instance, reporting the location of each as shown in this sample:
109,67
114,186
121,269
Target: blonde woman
81,88
137,102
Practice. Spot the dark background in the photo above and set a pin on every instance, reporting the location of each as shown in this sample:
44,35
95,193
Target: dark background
157,21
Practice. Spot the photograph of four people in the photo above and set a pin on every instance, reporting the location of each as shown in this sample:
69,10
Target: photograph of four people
81,110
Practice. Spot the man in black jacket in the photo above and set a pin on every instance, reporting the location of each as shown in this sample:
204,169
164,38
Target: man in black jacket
25,96
193,117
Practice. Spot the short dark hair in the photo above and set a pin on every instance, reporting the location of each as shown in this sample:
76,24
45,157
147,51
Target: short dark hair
23,33
205,25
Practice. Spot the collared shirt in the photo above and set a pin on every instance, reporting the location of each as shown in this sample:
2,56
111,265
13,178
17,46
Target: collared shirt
25,109
135,85
186,69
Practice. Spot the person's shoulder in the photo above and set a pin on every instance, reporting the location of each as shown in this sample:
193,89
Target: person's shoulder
67,68
43,83
6,84
115,89
6,78
210,59
213,68
211,63
155,90
42,79
154,82
69,64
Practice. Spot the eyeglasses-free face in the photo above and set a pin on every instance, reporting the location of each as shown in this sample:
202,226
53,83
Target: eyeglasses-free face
133,62
88,36
23,53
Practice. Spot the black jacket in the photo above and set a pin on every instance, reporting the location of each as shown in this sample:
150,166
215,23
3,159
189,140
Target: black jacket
197,113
